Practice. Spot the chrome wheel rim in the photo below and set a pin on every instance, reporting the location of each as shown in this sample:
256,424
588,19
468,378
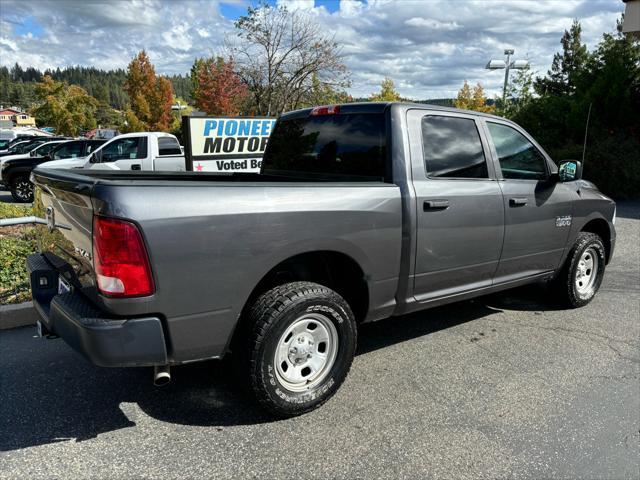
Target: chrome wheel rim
587,271
306,352
23,190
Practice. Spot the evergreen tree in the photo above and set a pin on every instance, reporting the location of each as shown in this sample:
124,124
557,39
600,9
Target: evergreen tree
566,65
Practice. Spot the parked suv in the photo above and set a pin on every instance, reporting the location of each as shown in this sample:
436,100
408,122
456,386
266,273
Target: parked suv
15,172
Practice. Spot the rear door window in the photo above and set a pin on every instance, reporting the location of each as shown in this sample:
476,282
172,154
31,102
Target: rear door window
452,148
168,146
335,147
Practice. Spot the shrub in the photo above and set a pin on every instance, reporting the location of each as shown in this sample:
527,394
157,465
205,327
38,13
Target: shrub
613,164
14,280
8,210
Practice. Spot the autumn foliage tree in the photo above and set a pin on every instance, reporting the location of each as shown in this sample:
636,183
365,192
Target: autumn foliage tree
218,89
66,108
387,92
475,99
151,96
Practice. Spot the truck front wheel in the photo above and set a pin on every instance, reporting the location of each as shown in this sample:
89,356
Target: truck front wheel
580,279
22,189
302,343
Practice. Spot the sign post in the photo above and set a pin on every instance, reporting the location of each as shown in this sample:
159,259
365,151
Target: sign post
225,144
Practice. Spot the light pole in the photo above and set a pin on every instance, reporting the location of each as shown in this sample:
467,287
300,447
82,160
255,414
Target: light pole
507,65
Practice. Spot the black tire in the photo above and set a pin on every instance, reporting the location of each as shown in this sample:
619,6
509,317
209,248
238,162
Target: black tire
568,281
270,321
22,189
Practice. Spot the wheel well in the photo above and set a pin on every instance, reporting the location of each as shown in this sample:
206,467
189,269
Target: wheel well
335,270
601,228
11,176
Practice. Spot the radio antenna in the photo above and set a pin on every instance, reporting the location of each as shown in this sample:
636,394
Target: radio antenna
586,132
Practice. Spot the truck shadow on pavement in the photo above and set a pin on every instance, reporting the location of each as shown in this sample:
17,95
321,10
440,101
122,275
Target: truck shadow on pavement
49,394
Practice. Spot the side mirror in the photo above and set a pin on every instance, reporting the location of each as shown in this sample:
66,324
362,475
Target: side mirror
569,170
47,158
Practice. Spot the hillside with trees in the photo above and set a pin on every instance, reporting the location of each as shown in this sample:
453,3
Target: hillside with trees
18,84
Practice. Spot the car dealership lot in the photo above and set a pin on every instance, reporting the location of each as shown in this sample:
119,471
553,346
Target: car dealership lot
506,386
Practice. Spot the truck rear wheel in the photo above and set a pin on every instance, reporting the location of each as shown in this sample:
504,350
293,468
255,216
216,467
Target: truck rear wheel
301,345
580,279
22,189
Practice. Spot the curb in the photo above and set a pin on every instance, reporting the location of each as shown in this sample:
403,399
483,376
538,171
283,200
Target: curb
17,315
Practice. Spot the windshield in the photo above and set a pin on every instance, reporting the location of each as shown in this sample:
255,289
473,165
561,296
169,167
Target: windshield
334,147
17,147
43,150
30,146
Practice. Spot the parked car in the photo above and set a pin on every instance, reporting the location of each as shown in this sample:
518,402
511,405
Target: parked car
13,148
39,151
26,145
15,172
131,151
362,212
10,134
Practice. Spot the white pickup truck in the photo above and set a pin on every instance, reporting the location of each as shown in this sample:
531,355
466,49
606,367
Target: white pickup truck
131,151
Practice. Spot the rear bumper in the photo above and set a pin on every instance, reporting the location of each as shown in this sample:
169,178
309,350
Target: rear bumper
107,341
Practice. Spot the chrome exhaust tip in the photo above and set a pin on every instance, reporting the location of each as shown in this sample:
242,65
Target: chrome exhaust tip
161,375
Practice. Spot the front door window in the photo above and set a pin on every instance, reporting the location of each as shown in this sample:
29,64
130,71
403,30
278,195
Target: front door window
519,158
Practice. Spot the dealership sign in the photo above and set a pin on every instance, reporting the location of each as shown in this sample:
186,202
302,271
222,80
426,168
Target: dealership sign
225,144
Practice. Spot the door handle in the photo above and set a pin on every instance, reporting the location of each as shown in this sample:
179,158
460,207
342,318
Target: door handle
435,205
135,166
517,201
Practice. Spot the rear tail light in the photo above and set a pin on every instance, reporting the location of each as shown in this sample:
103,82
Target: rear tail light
120,259
325,110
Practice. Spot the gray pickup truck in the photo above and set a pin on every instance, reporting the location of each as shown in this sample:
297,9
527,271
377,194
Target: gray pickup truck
361,212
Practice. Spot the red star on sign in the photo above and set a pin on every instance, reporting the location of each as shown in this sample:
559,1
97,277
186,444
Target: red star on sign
199,167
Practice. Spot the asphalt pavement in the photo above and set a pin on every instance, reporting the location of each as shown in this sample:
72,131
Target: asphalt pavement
5,195
505,386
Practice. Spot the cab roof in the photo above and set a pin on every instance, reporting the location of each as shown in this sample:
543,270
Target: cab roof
380,107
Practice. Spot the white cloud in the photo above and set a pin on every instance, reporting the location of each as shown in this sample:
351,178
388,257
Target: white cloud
203,32
428,47
293,5
178,37
431,23
10,44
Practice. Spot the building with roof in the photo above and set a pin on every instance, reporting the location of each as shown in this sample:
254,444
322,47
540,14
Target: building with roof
16,117
631,24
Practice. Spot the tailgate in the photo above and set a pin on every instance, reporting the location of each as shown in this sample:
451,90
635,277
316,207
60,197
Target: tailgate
64,200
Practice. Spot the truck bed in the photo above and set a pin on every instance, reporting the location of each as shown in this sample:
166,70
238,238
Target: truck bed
212,238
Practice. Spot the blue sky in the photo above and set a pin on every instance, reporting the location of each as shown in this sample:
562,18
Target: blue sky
428,47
